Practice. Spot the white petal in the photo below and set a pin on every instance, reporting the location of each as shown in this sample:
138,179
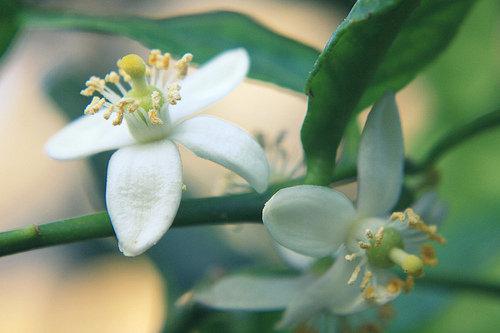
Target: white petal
294,259
311,220
143,193
250,292
85,136
430,208
227,145
381,159
214,80
331,289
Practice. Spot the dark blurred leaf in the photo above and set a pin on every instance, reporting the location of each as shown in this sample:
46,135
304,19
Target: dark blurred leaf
9,23
381,46
274,58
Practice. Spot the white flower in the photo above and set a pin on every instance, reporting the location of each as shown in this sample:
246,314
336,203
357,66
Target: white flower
144,183
321,222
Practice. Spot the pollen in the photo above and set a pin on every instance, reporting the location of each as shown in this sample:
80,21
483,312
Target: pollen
428,254
154,57
366,279
354,275
395,285
94,106
350,257
409,283
165,62
364,245
183,65
397,216
369,293
379,237
173,93
369,234
155,108
112,77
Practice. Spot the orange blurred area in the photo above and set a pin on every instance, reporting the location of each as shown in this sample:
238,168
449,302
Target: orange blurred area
40,292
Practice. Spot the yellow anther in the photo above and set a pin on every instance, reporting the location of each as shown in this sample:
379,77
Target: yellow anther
133,65
369,234
87,91
183,64
94,106
350,257
354,275
119,117
95,83
366,279
369,293
154,57
410,263
397,216
428,254
108,112
164,62
364,246
395,285
153,117
173,93
379,236
112,77
124,75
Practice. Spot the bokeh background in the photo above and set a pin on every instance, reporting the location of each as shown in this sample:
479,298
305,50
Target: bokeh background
90,287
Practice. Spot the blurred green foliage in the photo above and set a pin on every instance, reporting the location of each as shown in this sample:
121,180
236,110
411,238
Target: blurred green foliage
9,23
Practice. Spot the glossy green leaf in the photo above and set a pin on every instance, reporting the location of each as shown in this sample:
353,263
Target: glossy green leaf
341,75
274,58
382,45
9,24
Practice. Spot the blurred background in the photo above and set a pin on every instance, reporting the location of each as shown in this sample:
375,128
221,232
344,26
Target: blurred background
90,287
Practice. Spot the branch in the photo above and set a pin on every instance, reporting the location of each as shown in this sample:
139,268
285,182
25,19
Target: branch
239,208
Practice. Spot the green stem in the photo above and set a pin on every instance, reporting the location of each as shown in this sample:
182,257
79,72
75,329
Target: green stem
449,282
240,208
459,136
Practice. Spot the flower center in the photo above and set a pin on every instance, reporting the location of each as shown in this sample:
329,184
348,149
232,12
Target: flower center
144,103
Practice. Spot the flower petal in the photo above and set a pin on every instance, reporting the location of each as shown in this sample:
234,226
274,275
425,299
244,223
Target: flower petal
211,82
293,259
85,136
311,220
227,145
143,193
381,159
329,290
430,208
251,292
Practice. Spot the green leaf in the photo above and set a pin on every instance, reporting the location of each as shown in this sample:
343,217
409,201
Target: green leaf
342,73
9,24
382,45
274,58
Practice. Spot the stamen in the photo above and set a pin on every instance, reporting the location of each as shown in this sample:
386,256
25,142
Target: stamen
119,117
108,112
354,275
173,95
164,62
94,106
183,64
395,285
153,112
428,254
369,293
154,57
408,262
379,236
364,246
397,216
366,279
369,234
112,77
417,223
350,257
